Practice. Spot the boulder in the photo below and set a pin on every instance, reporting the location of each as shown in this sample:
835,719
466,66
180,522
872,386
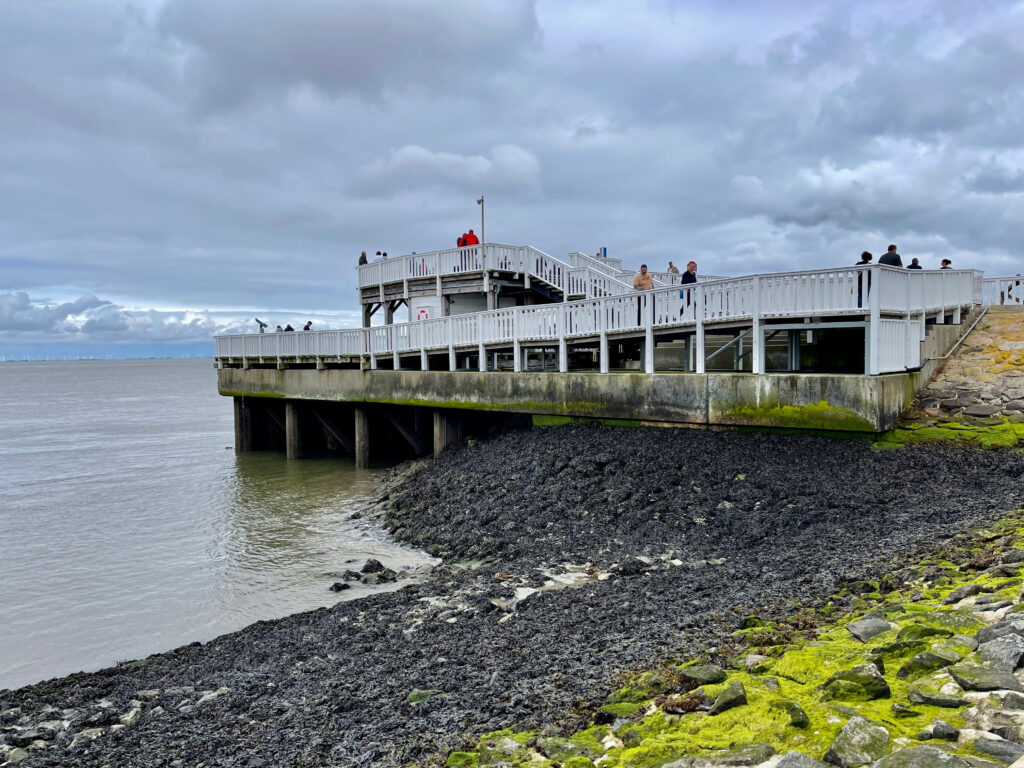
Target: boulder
898,710
1000,749
858,743
703,674
912,632
924,663
340,586
972,677
1004,653
1008,626
1013,700
734,695
373,566
793,759
868,627
939,729
797,717
934,699
861,683
962,593
921,757
742,754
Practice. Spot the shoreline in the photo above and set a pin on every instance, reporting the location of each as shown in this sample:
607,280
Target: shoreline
726,526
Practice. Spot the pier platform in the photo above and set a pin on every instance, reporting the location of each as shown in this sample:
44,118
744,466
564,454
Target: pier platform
842,349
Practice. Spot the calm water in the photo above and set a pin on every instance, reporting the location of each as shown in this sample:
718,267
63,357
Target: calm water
128,526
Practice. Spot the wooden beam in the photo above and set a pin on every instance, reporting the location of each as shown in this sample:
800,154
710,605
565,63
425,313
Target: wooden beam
338,435
418,444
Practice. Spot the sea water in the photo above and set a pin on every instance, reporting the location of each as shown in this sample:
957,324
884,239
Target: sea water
128,525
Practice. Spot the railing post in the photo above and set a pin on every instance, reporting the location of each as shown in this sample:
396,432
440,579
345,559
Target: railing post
757,357
875,324
480,351
451,344
698,312
602,325
483,266
373,354
648,298
563,347
517,358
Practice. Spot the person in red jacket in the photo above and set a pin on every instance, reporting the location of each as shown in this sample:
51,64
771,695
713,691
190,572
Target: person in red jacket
470,239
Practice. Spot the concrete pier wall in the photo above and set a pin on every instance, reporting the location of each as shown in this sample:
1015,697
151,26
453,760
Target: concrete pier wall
801,400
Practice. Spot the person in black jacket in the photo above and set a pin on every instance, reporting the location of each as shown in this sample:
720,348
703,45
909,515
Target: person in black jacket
891,258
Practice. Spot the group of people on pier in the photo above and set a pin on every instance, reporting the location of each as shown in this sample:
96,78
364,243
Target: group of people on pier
892,258
644,280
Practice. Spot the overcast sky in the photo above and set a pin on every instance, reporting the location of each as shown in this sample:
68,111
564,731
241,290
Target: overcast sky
170,169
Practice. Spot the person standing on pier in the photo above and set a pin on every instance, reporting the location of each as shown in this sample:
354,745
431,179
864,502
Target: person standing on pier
891,258
643,280
946,264
914,264
673,269
308,326
470,239
362,259
865,258
690,275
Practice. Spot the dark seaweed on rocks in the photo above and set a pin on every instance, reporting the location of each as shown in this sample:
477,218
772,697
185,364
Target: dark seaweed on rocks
759,523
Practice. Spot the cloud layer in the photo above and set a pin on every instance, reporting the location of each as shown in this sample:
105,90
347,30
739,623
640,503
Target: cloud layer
221,154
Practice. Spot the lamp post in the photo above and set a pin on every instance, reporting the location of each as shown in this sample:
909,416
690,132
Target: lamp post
483,252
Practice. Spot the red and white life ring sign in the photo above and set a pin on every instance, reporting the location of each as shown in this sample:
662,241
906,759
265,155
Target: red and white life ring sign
423,315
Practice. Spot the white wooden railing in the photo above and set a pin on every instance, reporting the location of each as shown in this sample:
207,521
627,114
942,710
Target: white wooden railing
894,303
585,276
1003,290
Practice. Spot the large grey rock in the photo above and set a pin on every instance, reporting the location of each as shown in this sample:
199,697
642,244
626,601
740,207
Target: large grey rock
934,699
924,663
793,759
961,593
741,755
1004,653
797,717
703,674
1000,749
858,743
861,683
868,627
921,757
734,695
939,729
972,677
1008,626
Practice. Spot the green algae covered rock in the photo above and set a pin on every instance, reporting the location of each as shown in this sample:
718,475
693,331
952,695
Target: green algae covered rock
861,683
860,742
797,717
954,621
741,754
734,695
463,760
918,632
972,677
926,663
703,674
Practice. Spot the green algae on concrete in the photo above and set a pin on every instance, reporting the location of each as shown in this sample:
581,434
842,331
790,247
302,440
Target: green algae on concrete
817,416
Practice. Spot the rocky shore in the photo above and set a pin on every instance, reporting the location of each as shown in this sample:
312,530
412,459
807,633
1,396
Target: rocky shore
573,557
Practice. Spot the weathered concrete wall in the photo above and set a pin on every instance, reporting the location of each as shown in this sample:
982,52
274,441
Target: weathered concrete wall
807,401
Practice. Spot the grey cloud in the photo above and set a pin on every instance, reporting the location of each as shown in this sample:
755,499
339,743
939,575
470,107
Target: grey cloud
237,50
506,167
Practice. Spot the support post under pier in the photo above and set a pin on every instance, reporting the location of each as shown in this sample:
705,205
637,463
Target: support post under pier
243,426
362,435
446,430
292,430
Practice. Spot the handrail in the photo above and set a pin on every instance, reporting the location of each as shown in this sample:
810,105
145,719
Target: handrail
869,291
